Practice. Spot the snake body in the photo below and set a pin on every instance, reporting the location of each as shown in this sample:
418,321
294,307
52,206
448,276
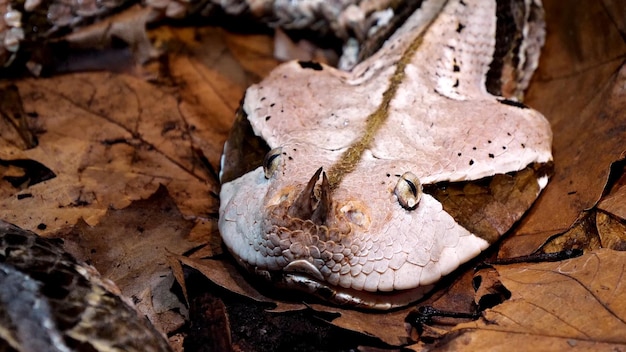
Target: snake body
51,302
361,24
336,206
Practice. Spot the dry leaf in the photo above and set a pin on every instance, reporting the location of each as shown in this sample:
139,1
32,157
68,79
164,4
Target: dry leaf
582,235
224,273
14,124
579,87
129,246
612,231
615,201
576,303
110,139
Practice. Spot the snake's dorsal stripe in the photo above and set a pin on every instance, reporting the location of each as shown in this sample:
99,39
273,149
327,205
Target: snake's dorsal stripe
351,157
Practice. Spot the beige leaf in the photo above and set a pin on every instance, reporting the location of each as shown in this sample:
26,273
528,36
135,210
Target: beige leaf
576,303
579,87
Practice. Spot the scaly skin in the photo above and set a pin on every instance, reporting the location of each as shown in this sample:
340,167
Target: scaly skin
353,21
51,302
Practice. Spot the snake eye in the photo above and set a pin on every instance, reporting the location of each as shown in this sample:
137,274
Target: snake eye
270,162
408,190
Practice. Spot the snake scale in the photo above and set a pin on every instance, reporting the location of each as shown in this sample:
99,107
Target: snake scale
363,188
51,302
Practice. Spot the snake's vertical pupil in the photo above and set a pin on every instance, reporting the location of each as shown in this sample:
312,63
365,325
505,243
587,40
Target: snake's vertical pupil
408,190
271,161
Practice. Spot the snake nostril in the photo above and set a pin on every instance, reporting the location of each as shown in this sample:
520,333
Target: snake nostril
355,214
356,217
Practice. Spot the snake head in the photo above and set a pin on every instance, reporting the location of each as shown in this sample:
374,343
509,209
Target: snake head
373,184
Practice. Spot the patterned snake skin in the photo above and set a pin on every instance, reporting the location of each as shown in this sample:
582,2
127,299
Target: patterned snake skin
50,302
24,24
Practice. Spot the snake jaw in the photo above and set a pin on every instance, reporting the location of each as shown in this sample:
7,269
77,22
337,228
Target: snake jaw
306,267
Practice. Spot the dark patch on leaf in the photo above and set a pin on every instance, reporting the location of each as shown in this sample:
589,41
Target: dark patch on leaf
34,172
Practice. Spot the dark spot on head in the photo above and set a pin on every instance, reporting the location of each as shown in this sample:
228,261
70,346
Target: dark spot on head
460,27
462,3
491,155
471,162
456,84
504,147
268,117
473,148
523,145
459,154
290,158
24,195
41,226
508,134
514,103
310,64
263,98
272,105
388,175
456,68
488,141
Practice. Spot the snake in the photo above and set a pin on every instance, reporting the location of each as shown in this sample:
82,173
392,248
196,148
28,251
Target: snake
49,301
364,188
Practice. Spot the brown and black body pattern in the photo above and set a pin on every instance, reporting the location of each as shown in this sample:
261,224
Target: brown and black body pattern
50,302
